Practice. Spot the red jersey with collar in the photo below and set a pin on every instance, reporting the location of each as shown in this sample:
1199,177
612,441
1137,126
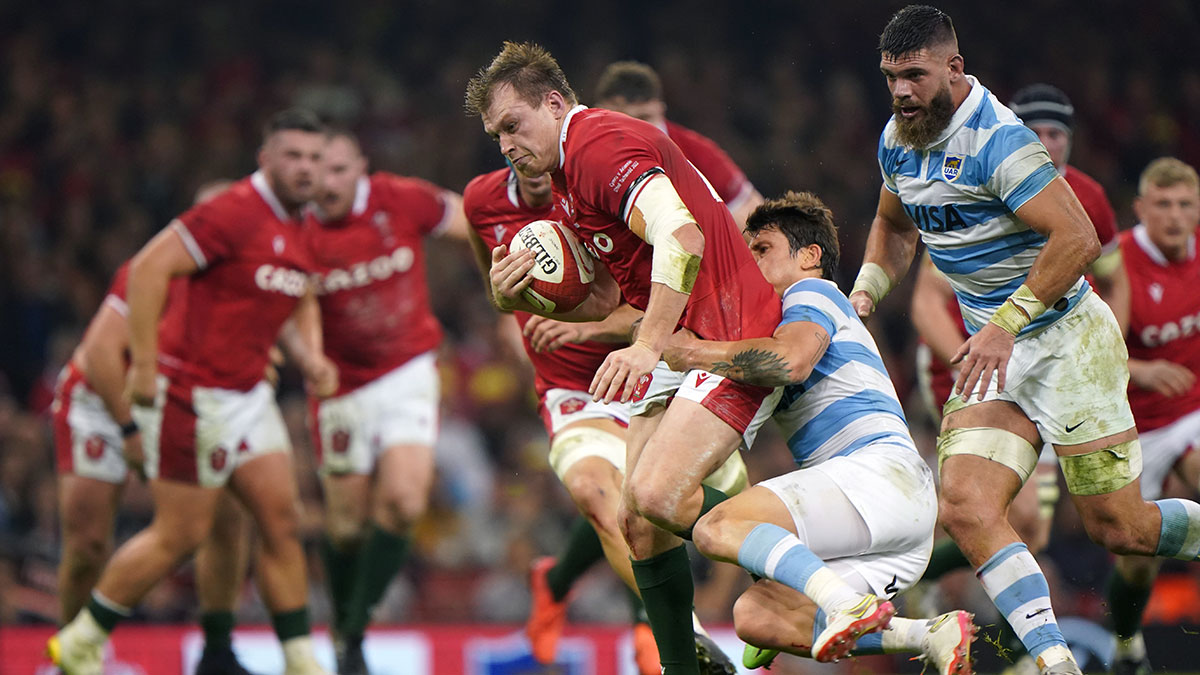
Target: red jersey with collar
726,178
1164,323
494,207
254,269
604,157
370,277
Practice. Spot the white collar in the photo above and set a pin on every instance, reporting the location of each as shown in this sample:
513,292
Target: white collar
1142,237
562,137
514,197
259,180
965,109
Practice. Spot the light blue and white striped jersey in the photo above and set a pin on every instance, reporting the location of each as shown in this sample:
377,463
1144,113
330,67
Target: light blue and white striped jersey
962,192
848,401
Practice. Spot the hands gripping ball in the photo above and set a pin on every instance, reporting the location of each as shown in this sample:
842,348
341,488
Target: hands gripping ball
562,271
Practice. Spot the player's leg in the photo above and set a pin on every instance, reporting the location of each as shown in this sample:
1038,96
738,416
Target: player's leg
986,451
220,572
183,516
347,499
87,508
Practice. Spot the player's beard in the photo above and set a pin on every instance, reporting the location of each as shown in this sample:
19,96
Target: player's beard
923,130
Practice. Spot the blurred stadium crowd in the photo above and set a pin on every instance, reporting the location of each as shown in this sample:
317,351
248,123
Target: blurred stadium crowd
111,114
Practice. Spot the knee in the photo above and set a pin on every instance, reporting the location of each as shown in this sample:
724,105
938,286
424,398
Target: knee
182,539
712,535
658,504
279,521
960,512
1108,530
344,533
597,501
397,510
85,549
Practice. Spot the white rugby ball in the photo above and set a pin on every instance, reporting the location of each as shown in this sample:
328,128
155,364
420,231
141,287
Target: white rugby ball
563,270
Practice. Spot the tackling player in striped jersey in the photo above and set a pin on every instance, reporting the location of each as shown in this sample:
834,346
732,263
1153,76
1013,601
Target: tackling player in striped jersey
1045,362
853,525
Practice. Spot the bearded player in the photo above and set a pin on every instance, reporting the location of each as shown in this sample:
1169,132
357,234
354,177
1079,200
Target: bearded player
1045,361
375,436
1164,369
636,90
208,418
675,252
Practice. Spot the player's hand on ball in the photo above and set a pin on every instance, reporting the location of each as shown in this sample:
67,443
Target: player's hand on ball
1164,377
510,275
322,376
862,303
620,372
983,355
546,335
141,384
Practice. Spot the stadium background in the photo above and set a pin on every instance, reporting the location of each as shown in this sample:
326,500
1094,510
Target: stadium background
112,113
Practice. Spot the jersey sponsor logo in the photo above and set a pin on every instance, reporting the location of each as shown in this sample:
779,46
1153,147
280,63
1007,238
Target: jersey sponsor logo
1156,292
500,231
642,386
281,280
571,406
935,218
892,587
602,242
366,272
1071,428
952,167
568,205
94,447
1157,336
218,459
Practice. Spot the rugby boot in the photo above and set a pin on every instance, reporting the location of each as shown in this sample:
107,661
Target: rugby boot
712,660
1063,668
758,657
547,616
843,627
349,656
947,644
645,650
78,648
219,662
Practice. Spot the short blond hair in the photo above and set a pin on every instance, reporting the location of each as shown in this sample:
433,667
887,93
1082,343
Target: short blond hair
1166,172
528,67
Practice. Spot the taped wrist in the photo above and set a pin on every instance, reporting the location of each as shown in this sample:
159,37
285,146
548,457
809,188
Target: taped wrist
1018,311
874,281
657,210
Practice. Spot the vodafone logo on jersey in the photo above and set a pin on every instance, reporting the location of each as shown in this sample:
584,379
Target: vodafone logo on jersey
281,280
366,272
1157,336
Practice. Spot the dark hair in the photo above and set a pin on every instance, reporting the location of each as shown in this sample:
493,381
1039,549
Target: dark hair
334,132
293,119
914,28
805,220
528,67
631,80
1043,103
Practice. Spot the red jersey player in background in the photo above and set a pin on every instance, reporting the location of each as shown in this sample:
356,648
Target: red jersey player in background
675,252
935,314
1164,368
208,418
375,437
97,442
636,90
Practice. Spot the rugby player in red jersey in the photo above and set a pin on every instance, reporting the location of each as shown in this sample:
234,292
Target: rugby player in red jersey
207,417
95,452
1164,368
675,252
636,90
375,436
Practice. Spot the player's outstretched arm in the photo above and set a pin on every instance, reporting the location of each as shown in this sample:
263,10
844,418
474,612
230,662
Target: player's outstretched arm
150,273
546,335
303,342
934,323
890,249
787,357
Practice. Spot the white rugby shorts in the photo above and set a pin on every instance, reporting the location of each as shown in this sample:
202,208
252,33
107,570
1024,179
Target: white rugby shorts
1162,448
87,440
400,407
892,488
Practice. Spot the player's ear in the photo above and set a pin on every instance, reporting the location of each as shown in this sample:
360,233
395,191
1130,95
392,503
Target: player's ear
956,66
556,103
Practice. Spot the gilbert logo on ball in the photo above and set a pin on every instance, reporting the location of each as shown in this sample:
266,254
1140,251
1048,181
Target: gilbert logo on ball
563,270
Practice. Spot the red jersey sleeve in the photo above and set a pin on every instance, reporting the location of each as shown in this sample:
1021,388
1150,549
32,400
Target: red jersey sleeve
422,201
611,162
212,231
116,296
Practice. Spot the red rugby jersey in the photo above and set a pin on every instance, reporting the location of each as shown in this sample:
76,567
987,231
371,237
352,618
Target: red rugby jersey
370,277
727,179
603,155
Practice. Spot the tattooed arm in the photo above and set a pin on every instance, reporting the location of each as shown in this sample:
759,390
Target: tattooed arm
786,357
